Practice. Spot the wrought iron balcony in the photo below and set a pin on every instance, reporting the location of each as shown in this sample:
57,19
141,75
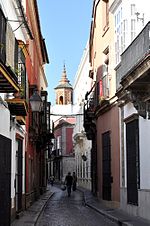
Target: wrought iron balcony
40,124
12,69
56,154
89,115
133,74
135,62
18,105
8,80
89,110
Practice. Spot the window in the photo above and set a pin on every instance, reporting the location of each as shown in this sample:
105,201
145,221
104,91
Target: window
133,22
117,50
133,33
119,45
125,28
61,100
132,9
104,82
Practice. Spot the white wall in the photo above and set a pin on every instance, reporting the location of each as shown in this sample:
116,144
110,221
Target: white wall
144,130
5,120
82,82
129,110
57,111
10,12
68,165
82,146
144,144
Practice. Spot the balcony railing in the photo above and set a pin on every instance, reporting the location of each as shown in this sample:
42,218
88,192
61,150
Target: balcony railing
136,52
12,67
8,76
89,109
19,104
39,131
2,37
89,114
13,70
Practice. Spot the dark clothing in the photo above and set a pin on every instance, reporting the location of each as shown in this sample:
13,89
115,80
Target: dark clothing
74,182
68,181
74,187
52,180
69,190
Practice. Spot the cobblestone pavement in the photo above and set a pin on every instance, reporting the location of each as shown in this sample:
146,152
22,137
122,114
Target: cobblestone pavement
62,210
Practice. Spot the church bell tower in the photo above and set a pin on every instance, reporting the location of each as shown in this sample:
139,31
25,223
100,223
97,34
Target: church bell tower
64,91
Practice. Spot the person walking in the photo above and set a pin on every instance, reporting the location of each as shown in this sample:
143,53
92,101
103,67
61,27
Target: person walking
74,183
52,180
68,182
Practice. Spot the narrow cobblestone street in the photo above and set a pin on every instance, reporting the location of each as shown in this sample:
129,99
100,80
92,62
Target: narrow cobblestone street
62,210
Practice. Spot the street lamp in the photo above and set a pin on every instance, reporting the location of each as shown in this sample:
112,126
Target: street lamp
36,102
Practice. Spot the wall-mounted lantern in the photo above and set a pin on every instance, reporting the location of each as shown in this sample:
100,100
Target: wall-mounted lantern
36,102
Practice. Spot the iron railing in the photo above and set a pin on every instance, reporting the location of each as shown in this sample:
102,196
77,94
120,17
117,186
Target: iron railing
134,54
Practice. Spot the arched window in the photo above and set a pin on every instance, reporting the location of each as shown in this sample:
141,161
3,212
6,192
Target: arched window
61,100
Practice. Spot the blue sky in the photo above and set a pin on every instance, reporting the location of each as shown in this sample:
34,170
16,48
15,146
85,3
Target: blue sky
65,25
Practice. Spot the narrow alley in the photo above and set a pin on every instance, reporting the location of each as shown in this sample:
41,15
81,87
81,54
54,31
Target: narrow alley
62,210
74,109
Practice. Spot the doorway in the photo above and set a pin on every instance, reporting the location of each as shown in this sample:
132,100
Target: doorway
132,144
19,176
5,180
106,166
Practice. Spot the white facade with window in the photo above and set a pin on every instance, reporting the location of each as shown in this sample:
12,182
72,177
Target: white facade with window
130,17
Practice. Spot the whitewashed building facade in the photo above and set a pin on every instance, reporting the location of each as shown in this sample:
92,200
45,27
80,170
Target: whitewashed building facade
82,146
12,133
132,29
